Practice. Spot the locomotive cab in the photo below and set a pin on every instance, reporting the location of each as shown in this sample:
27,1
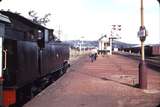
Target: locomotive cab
4,22
32,58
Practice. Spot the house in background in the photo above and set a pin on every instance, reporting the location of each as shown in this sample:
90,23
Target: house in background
105,44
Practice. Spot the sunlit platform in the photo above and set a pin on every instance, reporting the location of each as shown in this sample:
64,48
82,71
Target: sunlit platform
110,81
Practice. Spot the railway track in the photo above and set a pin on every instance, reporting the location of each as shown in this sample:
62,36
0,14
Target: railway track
151,62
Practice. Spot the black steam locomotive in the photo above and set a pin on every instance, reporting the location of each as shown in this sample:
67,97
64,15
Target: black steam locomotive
32,55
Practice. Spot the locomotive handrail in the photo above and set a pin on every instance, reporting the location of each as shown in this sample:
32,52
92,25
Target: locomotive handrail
5,59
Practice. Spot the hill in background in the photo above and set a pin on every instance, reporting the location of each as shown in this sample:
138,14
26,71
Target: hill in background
94,44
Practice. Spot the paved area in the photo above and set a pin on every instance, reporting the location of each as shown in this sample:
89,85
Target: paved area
108,82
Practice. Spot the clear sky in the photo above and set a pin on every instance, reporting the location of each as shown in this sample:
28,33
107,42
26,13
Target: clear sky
93,18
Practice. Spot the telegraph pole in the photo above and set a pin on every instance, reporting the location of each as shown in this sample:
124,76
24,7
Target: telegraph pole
114,35
142,33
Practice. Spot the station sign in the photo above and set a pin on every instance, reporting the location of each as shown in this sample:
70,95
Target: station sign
142,32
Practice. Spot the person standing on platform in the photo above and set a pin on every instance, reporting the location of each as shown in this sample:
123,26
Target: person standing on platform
93,54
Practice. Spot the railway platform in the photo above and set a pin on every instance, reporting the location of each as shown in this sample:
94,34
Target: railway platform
110,81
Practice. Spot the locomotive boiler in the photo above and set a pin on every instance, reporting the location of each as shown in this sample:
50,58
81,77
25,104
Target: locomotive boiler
31,56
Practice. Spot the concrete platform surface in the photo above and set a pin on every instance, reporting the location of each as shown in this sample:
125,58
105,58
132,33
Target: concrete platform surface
108,82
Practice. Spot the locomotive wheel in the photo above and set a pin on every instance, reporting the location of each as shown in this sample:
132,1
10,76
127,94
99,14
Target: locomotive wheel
23,95
60,72
66,65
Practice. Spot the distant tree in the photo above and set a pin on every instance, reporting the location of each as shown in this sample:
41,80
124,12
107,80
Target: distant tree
36,19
